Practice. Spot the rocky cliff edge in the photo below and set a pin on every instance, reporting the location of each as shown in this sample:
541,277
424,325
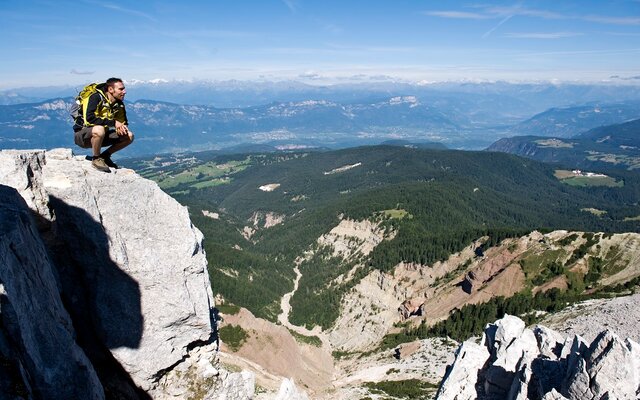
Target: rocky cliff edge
103,280
516,363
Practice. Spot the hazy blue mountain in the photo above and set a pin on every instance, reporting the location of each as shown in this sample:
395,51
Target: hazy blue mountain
412,145
163,127
612,146
570,121
516,98
466,116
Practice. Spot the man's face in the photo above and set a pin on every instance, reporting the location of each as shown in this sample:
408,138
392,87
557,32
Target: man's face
118,91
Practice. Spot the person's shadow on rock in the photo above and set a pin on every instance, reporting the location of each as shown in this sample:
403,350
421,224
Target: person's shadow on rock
102,299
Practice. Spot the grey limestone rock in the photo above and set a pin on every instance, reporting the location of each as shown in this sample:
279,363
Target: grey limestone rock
550,342
461,380
608,369
553,395
22,170
236,386
39,356
289,391
131,265
510,345
540,364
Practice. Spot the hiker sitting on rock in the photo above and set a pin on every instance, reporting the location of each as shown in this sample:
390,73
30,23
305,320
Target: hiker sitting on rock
102,121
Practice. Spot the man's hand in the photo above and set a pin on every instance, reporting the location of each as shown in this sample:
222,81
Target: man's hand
121,129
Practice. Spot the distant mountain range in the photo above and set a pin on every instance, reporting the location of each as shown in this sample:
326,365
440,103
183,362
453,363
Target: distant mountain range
164,127
170,116
569,121
612,146
520,100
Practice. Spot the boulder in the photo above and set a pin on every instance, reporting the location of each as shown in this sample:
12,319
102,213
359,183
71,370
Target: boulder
411,307
550,342
606,370
510,345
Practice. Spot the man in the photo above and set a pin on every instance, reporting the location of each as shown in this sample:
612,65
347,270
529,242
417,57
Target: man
104,123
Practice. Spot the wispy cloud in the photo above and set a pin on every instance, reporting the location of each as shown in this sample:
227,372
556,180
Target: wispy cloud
490,31
627,78
311,75
488,12
542,35
613,20
457,15
205,33
523,11
76,72
582,52
332,28
292,4
372,49
124,10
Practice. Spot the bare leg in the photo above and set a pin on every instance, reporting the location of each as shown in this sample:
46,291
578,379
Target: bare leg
125,141
97,136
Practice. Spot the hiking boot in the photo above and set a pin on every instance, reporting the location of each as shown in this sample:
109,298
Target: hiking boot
107,160
99,164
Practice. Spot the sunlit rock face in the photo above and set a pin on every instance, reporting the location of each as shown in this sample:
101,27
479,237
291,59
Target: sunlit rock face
130,267
517,363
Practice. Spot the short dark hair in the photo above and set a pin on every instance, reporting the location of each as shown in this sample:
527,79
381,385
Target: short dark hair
112,81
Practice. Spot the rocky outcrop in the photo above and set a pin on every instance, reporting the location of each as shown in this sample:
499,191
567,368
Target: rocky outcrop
129,267
410,308
351,237
289,391
462,379
370,310
521,363
39,357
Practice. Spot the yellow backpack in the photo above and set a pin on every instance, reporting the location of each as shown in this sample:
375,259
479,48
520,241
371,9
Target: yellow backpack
81,101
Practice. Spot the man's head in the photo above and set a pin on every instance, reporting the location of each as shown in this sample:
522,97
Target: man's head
115,87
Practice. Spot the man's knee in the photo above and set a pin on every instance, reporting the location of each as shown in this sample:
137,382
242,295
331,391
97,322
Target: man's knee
98,131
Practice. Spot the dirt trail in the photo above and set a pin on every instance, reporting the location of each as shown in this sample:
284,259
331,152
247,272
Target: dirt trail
283,318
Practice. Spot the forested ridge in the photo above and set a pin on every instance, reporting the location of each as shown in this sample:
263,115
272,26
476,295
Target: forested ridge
450,198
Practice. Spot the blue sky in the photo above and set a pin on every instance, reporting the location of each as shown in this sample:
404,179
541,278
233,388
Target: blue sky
71,42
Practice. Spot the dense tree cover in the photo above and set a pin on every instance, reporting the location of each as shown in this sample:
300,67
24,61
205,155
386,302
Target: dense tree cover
250,279
453,197
471,319
413,389
318,298
233,336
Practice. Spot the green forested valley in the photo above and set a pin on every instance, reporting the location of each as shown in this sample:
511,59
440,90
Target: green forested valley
265,210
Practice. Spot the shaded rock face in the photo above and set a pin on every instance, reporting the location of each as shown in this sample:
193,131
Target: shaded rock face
130,266
521,364
39,357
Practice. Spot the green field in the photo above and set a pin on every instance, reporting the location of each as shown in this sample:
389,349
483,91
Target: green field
585,181
573,179
200,176
396,214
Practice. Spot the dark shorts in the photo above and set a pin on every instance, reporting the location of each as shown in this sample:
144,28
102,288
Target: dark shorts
83,138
